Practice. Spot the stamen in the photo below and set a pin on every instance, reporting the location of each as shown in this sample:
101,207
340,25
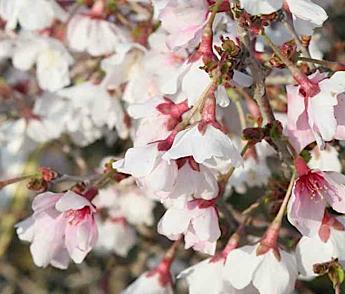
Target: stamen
74,217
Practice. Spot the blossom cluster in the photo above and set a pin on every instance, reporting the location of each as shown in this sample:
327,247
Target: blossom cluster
180,91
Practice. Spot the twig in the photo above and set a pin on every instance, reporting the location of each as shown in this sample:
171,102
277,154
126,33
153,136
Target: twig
5,183
279,217
326,63
304,50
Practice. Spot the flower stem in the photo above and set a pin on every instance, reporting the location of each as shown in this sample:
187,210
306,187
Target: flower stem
279,217
5,183
206,45
225,178
171,253
334,66
308,86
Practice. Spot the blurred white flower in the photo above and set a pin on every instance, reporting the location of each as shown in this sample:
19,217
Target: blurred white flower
31,14
115,235
51,58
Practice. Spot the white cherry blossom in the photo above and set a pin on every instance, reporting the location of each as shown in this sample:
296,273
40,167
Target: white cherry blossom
212,147
115,235
265,272
31,14
95,36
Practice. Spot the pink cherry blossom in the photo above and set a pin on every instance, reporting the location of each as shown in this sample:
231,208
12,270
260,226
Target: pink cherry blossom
197,221
158,117
317,117
304,14
313,191
184,20
61,227
261,7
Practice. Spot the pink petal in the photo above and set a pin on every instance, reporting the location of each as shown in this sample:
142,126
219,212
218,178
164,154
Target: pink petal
45,200
305,213
335,193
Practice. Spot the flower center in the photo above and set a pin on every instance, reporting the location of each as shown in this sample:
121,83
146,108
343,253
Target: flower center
75,216
314,183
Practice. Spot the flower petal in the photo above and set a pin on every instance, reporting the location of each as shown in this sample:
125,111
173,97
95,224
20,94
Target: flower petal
241,265
71,200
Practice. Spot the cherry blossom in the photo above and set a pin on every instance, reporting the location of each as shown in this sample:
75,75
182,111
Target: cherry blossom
314,250
316,118
307,15
184,21
153,173
91,33
158,281
265,272
51,58
121,202
119,66
85,119
143,69
254,172
159,114
197,221
31,14
210,147
61,227
326,160
213,269
192,180
115,235
140,122
199,276
313,191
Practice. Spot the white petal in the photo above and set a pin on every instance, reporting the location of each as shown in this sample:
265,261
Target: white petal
310,251
241,265
307,10
71,200
272,276
322,116
256,7
139,161
174,222
25,229
335,84
206,225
